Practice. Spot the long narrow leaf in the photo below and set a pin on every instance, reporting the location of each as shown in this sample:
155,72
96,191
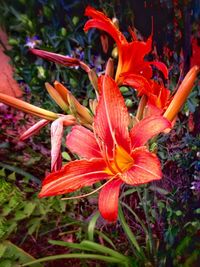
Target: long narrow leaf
136,217
104,250
75,256
91,226
107,239
128,231
70,245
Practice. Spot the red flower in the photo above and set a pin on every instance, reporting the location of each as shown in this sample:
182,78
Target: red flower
111,152
159,98
131,54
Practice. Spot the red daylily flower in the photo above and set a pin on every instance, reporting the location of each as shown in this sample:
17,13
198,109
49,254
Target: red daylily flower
159,98
111,152
131,54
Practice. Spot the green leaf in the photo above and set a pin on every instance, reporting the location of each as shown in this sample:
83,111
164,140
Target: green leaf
91,226
2,249
66,156
106,238
70,245
75,256
12,176
161,191
29,208
128,231
104,250
19,255
6,263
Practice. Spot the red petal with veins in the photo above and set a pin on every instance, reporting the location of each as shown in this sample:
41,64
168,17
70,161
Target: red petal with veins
108,200
112,118
138,82
131,59
82,142
146,168
148,128
102,22
73,176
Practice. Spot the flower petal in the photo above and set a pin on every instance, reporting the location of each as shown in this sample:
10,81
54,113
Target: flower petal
102,22
108,200
82,142
33,129
161,67
56,139
147,128
138,82
131,59
112,118
73,176
146,168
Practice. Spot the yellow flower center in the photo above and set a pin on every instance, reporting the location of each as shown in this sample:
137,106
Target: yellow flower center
122,162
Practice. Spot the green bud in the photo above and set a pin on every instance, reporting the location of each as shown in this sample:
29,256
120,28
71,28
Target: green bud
129,103
13,41
63,31
47,12
75,20
124,89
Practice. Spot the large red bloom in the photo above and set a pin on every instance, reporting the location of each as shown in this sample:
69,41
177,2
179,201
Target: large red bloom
111,152
131,54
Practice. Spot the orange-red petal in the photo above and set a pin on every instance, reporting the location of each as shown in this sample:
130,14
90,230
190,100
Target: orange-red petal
82,142
146,129
112,118
161,67
108,200
102,22
146,168
138,82
73,176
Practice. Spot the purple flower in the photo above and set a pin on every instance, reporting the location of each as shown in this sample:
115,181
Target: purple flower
33,41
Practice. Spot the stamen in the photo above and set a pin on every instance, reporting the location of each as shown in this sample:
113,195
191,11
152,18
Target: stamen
108,160
91,193
115,161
